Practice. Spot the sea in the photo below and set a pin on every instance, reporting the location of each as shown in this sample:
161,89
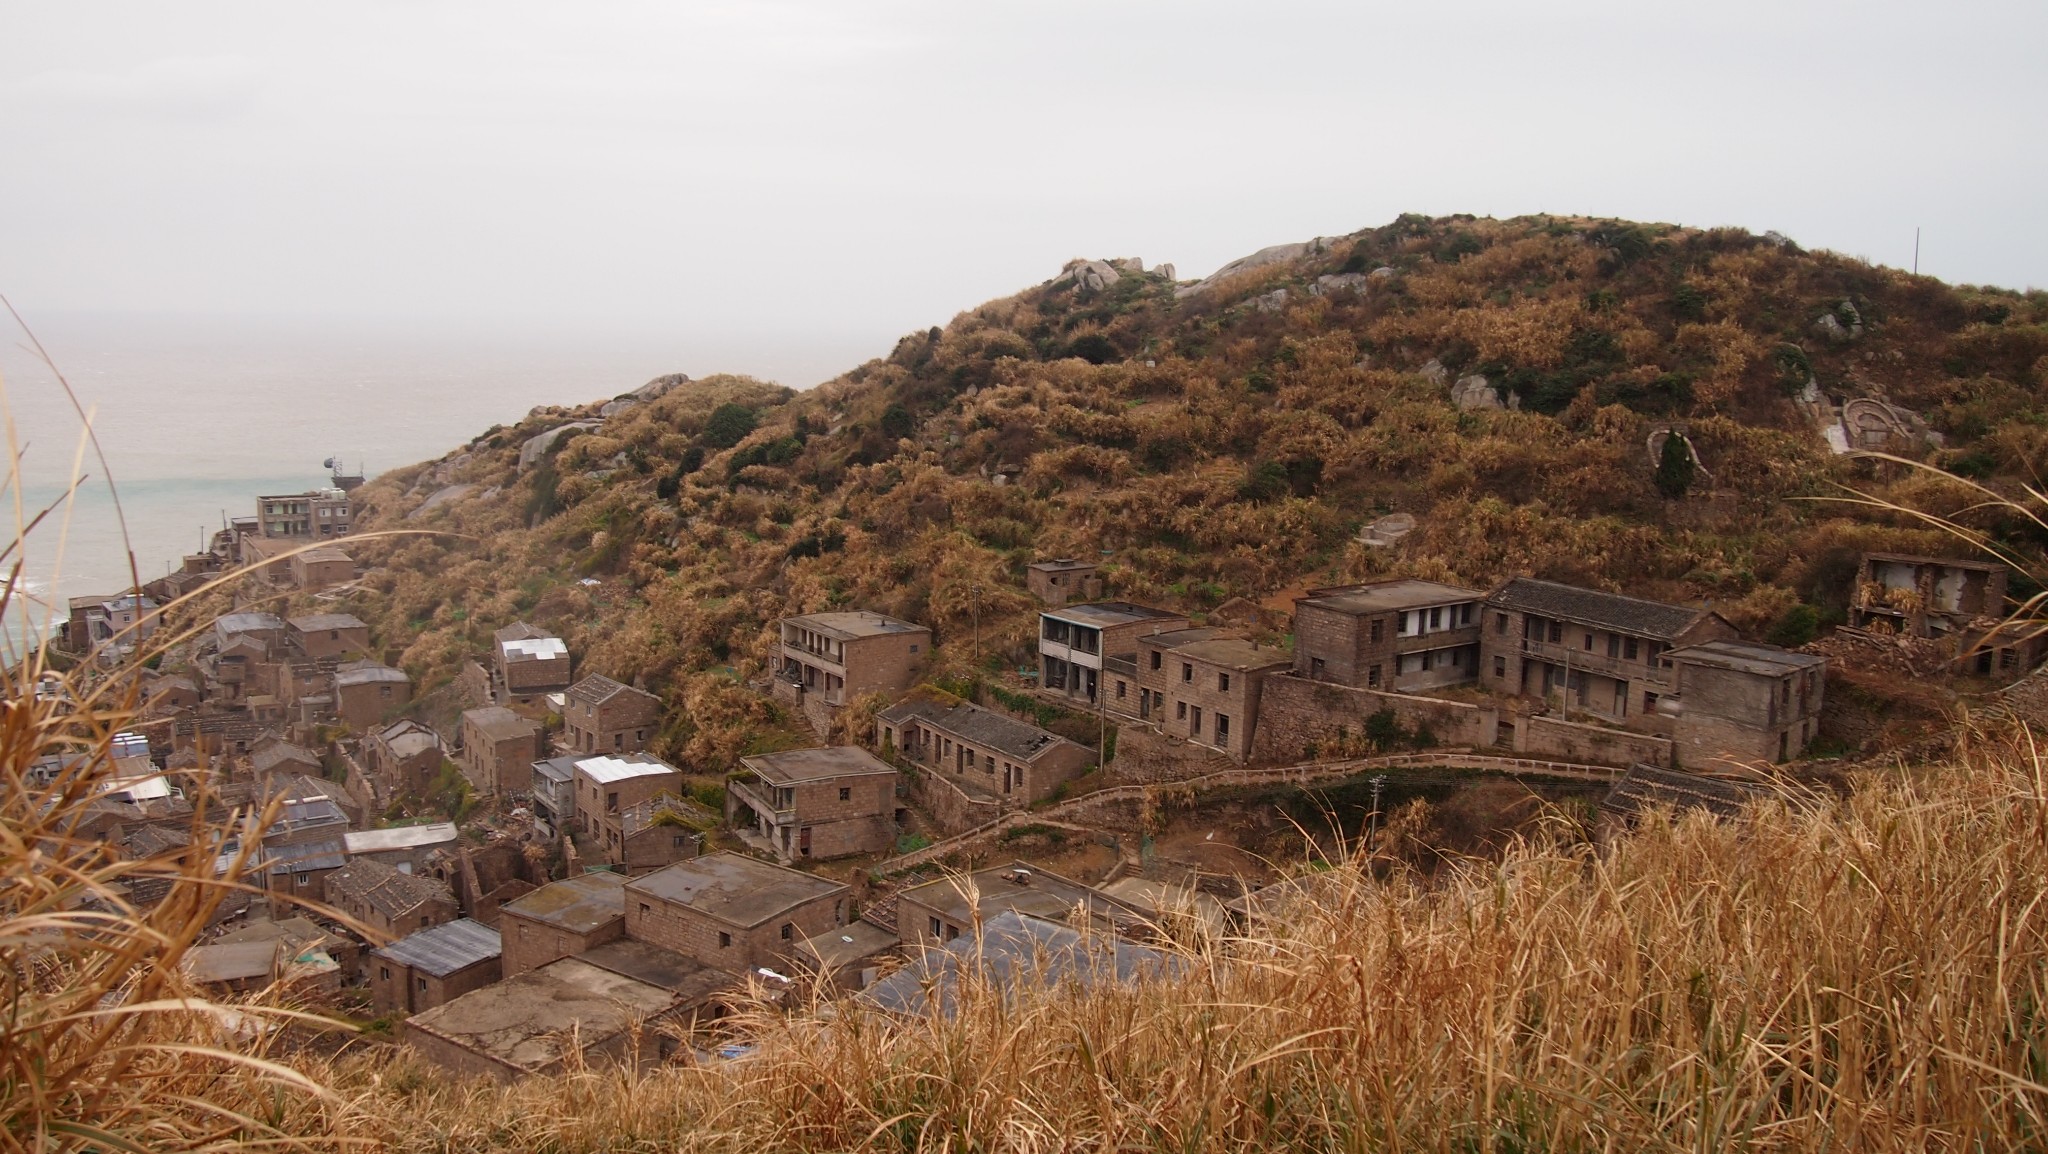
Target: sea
196,417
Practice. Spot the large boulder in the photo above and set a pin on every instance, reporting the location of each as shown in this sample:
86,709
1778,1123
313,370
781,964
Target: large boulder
1475,392
659,387
1274,254
1340,282
537,445
1433,371
1088,275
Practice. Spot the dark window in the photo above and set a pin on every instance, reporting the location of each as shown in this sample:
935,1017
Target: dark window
935,927
1222,726
1556,632
1187,672
788,931
1376,630
645,909
1500,623
1119,689
1628,649
1589,643
952,931
1613,645
1223,682
1195,722
1372,677
384,973
1315,668
1436,617
1500,667
724,940
845,793
1155,659
1649,702
423,985
1180,710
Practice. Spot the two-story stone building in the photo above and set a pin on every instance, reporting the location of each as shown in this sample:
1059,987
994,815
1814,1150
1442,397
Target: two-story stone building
404,755
498,750
1195,684
1402,636
328,635
389,901
815,803
1925,596
1012,762
367,692
833,658
660,831
431,967
1595,653
1075,641
734,913
600,715
605,787
1741,702
562,918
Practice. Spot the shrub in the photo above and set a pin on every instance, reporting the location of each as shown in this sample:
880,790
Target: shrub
1674,468
897,423
729,425
1794,627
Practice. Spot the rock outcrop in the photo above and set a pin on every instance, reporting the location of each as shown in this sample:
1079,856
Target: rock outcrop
537,446
1274,254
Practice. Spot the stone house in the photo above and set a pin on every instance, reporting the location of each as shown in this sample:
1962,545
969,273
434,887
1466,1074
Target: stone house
1741,702
529,664
316,514
389,901
606,787
404,755
600,715
122,624
266,628
1401,636
1013,763
2004,650
1925,596
434,966
815,803
833,658
322,568
554,790
1057,582
937,912
336,635
299,870
562,918
661,831
734,913
1206,688
1074,641
366,693
406,848
1595,653
498,750
278,757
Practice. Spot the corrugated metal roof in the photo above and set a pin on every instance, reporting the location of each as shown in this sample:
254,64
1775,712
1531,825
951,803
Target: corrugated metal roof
444,949
606,769
403,837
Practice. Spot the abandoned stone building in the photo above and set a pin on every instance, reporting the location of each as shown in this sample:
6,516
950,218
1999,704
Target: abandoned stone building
604,787
660,831
1600,654
562,918
316,514
1056,583
336,635
434,966
405,756
830,659
498,750
814,803
1204,687
322,568
366,693
993,757
1075,640
1402,636
734,913
1733,701
600,715
936,912
1925,596
530,664
391,902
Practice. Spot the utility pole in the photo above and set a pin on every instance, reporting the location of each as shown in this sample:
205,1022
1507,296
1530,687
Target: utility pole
1372,827
977,626
1916,250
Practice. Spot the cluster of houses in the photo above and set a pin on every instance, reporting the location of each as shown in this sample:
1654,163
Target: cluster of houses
595,902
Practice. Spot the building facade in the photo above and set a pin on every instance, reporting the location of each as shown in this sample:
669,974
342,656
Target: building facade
1205,689
561,918
1074,641
1400,636
531,664
1590,652
1733,701
734,913
498,750
605,787
835,657
433,966
985,753
815,803
1925,596
1064,580
600,715
337,635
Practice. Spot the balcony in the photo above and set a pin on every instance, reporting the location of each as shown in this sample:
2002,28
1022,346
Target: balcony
799,652
751,793
1592,661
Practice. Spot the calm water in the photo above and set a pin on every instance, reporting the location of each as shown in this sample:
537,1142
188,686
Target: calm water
197,418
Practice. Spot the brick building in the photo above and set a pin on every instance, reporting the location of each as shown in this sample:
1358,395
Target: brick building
732,912
836,657
328,635
1400,636
562,918
1925,596
815,803
433,966
1055,583
939,911
600,715
1206,688
531,663
660,831
605,787
317,514
554,790
407,848
498,750
322,568
365,693
1012,762
1736,701
1073,642
1595,653
388,901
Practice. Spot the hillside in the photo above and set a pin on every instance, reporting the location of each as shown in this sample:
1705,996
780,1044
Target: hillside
1229,440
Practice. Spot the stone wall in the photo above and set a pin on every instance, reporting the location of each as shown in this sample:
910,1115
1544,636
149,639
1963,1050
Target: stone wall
951,809
1299,718
1570,741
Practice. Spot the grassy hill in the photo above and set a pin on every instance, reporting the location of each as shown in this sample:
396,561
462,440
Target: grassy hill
1230,443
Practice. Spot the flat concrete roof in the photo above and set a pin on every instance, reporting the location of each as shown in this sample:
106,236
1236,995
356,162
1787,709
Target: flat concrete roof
523,1020
1746,657
798,766
647,962
847,945
1235,653
498,723
735,889
1104,614
317,621
1388,596
579,904
533,649
854,625
1062,565
1018,887
231,962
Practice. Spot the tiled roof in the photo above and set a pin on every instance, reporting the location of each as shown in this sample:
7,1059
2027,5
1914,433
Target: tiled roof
385,889
1010,951
1592,607
977,726
597,689
1646,787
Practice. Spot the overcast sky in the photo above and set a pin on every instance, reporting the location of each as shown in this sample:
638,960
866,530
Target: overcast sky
793,185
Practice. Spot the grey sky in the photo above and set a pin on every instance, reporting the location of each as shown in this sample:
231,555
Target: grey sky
788,186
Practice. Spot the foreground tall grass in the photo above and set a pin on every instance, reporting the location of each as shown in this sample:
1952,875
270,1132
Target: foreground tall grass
1862,975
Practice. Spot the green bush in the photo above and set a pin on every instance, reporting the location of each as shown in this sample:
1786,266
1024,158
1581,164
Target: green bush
897,423
1674,468
729,425
1794,627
